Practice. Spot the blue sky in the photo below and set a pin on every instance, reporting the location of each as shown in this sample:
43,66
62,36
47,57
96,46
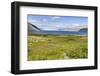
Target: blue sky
58,23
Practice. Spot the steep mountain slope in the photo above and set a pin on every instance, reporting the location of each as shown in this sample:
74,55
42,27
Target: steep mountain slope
32,28
83,30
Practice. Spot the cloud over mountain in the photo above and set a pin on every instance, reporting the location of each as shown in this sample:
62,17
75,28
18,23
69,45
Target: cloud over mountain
58,23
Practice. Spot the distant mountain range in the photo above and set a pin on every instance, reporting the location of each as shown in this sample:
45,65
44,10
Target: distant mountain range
32,29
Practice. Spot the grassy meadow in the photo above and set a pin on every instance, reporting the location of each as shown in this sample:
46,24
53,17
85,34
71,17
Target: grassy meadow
48,47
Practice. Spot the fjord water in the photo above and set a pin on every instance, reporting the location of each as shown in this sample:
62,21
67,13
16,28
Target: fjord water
82,33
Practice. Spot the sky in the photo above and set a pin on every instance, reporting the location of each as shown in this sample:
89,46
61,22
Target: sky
58,23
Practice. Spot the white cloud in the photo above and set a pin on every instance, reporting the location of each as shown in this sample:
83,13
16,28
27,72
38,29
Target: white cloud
60,27
56,17
32,21
43,24
73,27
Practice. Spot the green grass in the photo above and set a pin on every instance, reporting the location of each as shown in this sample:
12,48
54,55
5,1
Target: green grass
47,47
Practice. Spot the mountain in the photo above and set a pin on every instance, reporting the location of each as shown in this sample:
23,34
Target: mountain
32,28
83,30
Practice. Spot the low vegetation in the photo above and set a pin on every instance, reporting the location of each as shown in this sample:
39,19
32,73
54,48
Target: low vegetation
48,47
